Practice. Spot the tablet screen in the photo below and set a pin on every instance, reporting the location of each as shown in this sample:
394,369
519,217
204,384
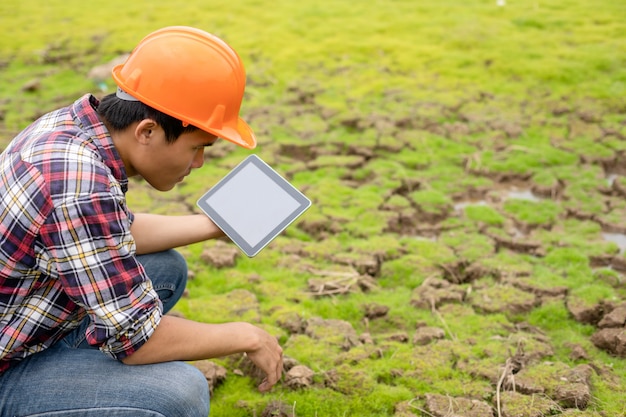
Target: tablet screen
253,204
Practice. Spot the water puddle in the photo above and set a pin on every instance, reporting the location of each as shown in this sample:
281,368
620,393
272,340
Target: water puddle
610,179
618,238
522,194
462,204
516,233
425,238
513,193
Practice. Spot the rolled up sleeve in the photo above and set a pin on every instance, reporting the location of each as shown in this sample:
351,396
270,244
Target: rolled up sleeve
93,254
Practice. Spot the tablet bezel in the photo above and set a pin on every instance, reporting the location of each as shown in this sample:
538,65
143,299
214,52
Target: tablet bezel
303,204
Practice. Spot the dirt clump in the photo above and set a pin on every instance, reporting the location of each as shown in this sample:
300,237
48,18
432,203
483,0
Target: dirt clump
293,323
569,387
220,255
502,299
374,311
406,409
542,293
614,319
434,292
427,334
446,406
585,313
514,404
611,340
338,332
610,321
364,264
330,286
463,271
299,376
278,409
214,373
578,352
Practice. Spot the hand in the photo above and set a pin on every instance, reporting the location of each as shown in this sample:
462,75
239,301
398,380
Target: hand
268,357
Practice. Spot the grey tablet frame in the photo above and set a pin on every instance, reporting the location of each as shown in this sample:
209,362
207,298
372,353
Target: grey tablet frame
240,201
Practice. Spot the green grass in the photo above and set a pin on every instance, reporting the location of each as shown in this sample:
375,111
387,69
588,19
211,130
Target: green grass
379,110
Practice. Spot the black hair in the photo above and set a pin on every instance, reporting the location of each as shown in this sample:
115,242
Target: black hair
119,114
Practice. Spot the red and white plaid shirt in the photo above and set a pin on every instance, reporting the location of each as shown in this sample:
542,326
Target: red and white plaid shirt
66,251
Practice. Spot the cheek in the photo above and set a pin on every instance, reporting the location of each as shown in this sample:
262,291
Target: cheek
198,158
178,160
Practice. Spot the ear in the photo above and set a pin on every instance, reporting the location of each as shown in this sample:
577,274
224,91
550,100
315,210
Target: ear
144,131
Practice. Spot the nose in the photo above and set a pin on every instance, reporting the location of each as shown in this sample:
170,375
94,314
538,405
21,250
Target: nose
198,159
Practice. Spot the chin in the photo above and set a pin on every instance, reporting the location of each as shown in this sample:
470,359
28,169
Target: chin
166,188
162,187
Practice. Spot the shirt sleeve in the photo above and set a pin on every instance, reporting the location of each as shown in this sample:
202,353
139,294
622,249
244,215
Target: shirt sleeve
93,253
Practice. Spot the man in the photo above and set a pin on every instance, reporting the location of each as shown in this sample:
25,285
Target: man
84,282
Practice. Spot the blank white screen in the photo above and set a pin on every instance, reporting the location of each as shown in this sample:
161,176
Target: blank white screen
252,204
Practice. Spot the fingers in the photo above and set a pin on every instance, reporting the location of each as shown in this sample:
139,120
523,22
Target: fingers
273,375
265,386
267,355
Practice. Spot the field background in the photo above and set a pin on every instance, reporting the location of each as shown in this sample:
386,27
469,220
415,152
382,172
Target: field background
466,162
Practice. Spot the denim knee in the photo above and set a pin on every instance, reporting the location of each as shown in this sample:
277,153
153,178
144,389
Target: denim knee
185,392
168,272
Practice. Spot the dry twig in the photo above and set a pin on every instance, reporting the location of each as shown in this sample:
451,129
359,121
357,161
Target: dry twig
505,372
421,410
434,310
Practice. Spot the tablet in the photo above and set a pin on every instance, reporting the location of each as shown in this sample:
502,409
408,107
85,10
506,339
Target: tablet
253,204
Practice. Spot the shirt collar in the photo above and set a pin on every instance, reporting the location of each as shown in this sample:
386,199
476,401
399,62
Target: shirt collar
84,114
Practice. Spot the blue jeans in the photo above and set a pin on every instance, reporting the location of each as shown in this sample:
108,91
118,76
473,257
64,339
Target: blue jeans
73,379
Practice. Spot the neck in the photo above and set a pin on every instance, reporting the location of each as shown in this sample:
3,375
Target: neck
122,141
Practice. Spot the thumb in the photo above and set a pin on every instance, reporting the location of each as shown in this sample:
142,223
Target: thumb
264,386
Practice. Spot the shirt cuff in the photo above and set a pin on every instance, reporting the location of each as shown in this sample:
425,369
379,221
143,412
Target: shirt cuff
129,340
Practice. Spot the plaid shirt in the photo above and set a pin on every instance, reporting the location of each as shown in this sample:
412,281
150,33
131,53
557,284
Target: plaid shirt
66,251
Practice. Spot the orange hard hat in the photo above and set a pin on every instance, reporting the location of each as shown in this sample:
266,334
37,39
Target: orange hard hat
191,75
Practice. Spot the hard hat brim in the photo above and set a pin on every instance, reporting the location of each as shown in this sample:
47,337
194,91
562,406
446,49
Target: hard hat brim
247,138
242,135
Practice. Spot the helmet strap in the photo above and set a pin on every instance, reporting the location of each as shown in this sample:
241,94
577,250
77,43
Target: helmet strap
124,95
